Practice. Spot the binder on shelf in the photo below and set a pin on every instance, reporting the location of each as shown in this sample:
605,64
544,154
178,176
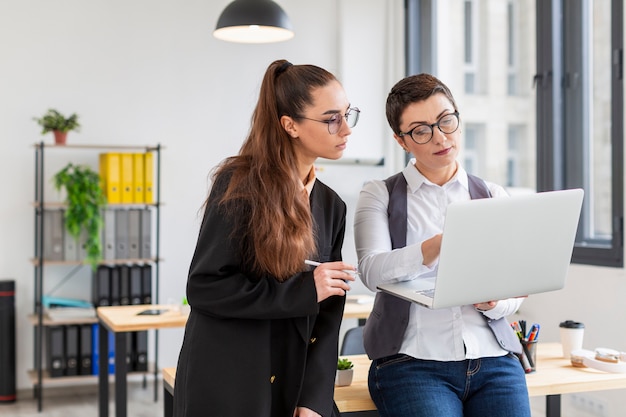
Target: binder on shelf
140,350
49,301
82,244
102,286
111,352
115,286
129,351
56,348
70,245
95,363
53,235
110,171
148,182
136,292
126,163
85,355
71,350
124,284
134,233
95,349
138,178
146,234
121,234
108,234
146,284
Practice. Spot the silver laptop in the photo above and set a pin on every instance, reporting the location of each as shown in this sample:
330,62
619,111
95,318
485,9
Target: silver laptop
497,248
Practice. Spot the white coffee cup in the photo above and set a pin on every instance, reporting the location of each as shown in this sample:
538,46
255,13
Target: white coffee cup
572,333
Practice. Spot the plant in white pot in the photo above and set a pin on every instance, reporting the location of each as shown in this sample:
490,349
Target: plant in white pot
345,372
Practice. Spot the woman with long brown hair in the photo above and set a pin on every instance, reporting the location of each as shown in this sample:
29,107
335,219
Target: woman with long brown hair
262,335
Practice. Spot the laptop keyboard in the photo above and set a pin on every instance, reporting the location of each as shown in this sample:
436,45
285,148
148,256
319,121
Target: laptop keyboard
427,293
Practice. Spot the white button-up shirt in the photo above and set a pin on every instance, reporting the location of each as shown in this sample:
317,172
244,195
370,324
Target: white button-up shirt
448,334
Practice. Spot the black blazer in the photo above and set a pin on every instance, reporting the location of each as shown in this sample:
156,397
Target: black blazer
254,346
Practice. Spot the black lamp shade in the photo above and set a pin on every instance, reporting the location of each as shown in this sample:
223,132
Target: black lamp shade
253,21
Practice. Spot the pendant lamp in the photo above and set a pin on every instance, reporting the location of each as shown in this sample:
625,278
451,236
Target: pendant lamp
253,21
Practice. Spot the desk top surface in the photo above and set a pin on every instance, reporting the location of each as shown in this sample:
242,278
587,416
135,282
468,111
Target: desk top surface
358,306
126,318
554,375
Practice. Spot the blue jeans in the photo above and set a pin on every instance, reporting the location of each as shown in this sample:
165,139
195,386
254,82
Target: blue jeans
402,386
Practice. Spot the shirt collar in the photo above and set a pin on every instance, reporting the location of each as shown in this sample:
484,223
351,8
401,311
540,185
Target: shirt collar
415,179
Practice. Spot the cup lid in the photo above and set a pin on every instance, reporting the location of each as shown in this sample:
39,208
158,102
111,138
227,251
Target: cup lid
571,324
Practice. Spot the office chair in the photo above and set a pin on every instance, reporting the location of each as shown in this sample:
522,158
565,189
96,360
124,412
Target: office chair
353,342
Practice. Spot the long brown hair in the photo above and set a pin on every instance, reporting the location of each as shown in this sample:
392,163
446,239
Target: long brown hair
265,178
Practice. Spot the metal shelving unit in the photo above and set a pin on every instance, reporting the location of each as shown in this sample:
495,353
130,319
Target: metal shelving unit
40,375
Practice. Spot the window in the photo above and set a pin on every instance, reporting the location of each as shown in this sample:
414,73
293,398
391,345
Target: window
552,117
471,141
470,46
580,118
512,48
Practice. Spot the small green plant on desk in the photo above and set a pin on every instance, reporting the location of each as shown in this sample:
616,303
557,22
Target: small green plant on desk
85,200
343,364
344,372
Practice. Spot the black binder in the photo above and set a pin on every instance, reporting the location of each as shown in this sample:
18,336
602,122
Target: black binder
129,351
124,285
140,359
56,348
85,367
136,293
146,284
102,286
115,286
71,350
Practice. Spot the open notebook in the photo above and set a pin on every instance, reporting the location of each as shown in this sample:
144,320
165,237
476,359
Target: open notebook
497,248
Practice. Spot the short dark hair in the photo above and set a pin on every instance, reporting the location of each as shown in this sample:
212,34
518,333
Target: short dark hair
413,89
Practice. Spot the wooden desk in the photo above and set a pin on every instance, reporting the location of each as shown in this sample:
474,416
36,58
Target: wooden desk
554,376
121,320
358,307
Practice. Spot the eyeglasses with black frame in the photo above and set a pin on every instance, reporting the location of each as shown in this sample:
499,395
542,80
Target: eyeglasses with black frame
423,133
334,122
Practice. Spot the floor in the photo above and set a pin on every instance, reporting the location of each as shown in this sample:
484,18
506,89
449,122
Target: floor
83,402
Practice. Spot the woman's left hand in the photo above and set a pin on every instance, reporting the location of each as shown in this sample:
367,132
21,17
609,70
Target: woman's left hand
304,412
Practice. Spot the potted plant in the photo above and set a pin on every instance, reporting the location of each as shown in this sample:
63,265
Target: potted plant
85,200
55,122
345,372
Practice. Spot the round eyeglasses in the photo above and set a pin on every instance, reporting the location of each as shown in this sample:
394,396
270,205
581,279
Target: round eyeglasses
423,133
334,122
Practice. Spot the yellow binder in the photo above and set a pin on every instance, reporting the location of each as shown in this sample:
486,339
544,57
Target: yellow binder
138,178
110,176
148,177
126,162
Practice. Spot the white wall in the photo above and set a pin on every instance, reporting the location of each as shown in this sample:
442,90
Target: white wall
149,71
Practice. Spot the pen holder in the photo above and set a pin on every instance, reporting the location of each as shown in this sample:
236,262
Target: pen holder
528,358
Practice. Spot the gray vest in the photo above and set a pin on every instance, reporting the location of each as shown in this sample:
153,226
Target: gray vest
384,329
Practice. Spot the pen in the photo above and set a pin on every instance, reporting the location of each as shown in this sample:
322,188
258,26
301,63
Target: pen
314,263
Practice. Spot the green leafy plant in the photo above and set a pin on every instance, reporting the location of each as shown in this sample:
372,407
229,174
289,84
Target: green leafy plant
53,120
85,200
343,364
